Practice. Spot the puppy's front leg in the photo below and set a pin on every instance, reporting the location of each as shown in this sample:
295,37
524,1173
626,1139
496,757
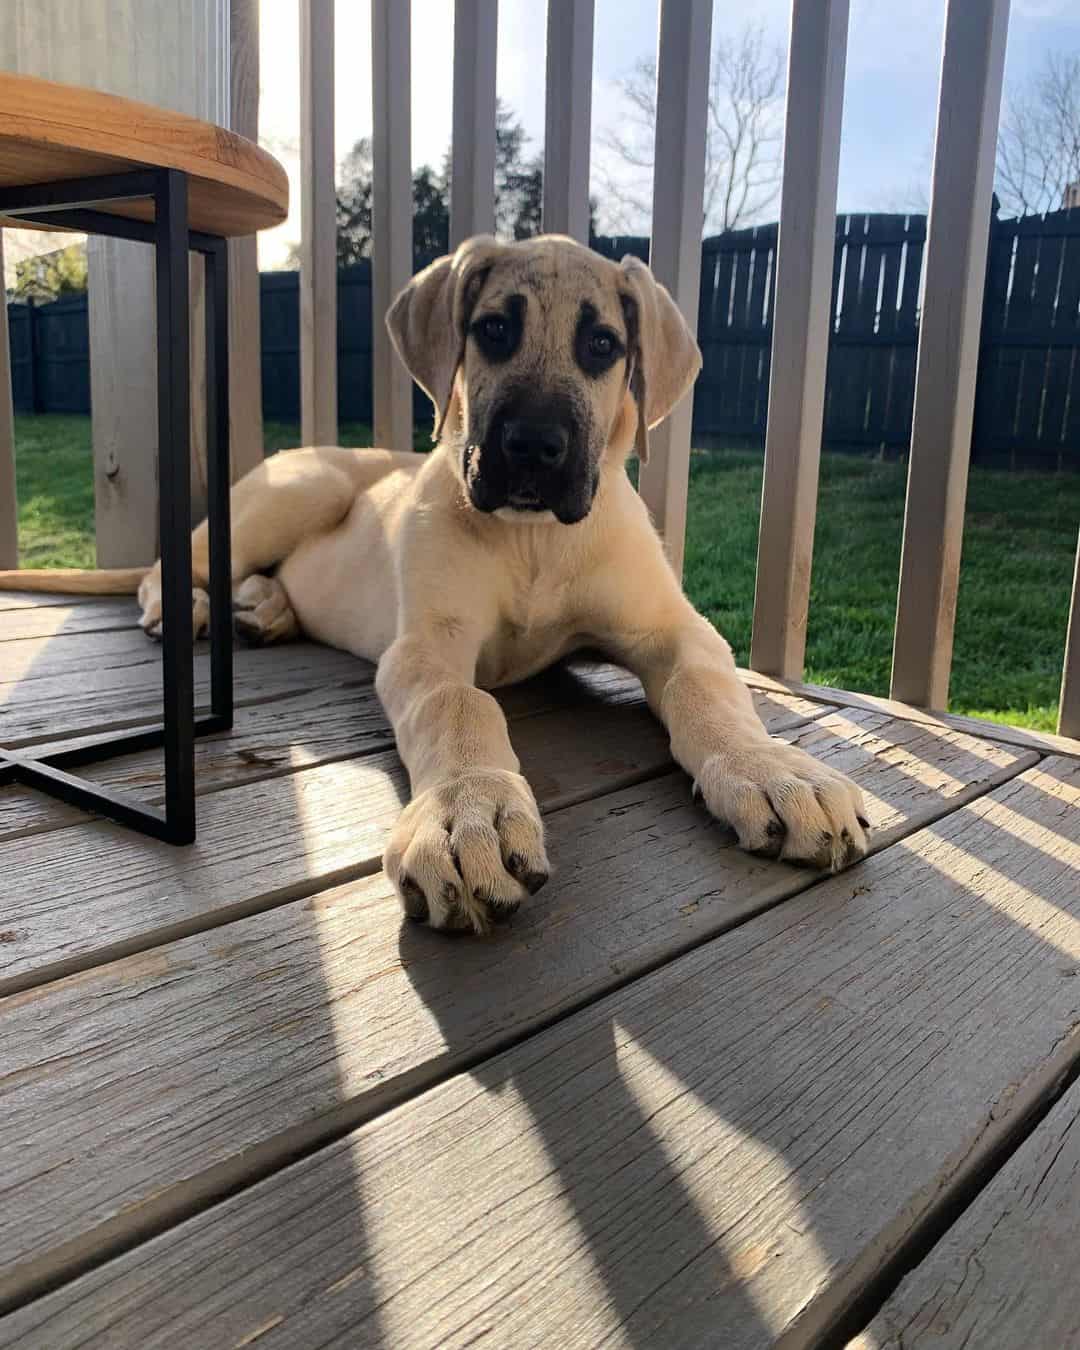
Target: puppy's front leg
470,845
780,801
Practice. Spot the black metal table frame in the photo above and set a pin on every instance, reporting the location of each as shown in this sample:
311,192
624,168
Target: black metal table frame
70,204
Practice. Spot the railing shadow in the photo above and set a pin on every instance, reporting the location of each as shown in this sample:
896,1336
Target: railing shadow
747,1051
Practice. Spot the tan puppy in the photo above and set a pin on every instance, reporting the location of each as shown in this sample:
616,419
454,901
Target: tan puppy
517,540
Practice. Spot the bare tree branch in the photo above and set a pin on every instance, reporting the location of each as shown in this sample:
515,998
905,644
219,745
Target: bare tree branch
1038,151
742,149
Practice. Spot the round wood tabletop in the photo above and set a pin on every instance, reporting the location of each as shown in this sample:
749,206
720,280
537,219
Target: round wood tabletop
51,131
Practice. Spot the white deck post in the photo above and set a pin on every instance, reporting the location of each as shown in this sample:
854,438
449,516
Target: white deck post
472,174
9,516
318,226
955,262
245,342
682,92
1069,710
800,343
391,259
568,119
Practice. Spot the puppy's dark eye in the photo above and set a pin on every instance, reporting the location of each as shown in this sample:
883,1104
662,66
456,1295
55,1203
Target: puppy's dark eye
601,345
494,329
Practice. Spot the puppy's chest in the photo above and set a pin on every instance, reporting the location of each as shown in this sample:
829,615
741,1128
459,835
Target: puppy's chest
533,630
533,608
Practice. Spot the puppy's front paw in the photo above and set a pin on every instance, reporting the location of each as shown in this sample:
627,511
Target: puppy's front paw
784,804
466,853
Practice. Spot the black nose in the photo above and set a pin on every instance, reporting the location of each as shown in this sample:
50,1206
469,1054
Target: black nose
540,443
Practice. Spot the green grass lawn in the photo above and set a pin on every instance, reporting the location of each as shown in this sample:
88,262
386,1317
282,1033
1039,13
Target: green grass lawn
1019,547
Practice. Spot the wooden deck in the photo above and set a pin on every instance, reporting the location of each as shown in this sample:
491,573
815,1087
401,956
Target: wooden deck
688,1097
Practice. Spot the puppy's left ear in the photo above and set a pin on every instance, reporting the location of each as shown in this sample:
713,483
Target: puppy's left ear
664,356
429,319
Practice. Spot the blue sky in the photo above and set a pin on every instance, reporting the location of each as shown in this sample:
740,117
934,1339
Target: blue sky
894,51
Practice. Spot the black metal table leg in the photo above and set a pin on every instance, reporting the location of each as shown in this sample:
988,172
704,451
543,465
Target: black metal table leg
174,502
71,204
217,473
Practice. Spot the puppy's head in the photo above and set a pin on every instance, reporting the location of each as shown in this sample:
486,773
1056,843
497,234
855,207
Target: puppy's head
543,361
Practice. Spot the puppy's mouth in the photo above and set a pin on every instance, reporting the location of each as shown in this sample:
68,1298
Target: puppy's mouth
566,495
524,500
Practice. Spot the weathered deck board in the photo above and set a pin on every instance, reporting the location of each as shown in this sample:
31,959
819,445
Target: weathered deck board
113,679
1004,1276
65,620
270,739
722,1152
272,840
274,1031
340,720
45,657
268,841
1045,742
10,600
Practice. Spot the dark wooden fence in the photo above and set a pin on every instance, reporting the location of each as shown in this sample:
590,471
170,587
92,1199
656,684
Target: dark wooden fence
1028,402
50,356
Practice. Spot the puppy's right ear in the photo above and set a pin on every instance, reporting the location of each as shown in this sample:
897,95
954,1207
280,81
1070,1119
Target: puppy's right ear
429,320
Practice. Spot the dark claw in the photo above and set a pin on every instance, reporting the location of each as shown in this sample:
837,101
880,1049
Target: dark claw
863,822
518,867
776,829
245,628
503,913
416,905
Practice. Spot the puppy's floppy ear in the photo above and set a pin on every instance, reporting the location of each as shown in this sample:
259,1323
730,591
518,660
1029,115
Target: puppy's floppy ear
664,357
429,319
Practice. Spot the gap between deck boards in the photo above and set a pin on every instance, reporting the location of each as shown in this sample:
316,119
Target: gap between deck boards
1028,1110
187,1197
1003,1274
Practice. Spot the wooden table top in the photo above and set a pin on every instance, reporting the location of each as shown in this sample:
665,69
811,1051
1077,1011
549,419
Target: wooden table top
52,131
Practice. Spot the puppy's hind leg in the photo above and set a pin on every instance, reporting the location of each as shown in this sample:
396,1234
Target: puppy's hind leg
275,507
262,612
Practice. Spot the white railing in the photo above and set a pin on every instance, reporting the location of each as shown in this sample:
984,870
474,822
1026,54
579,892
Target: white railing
970,93
9,515
955,260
